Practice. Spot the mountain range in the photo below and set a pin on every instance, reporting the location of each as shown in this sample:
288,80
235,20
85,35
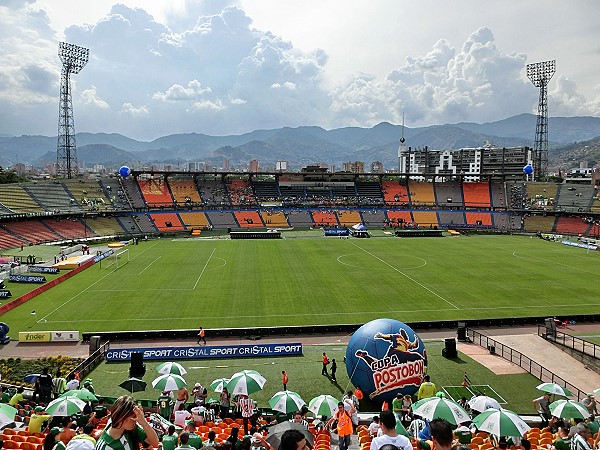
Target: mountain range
309,144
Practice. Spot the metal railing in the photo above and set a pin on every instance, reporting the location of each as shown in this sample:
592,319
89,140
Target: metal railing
581,345
523,361
92,361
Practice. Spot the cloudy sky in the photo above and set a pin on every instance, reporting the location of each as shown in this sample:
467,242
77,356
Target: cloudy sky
228,67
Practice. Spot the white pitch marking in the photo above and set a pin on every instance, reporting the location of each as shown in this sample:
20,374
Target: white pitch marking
149,265
204,268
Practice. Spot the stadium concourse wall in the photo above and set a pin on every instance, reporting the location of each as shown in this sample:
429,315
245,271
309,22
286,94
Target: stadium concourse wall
260,332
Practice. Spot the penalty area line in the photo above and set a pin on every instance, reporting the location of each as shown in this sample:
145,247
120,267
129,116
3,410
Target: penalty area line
204,268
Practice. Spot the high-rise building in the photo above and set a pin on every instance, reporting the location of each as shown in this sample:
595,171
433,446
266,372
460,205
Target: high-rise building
253,166
376,167
354,167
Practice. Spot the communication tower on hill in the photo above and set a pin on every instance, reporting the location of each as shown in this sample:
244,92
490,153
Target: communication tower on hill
540,75
73,58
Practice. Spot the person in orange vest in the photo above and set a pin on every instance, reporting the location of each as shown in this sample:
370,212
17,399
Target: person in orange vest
201,336
344,425
284,379
325,362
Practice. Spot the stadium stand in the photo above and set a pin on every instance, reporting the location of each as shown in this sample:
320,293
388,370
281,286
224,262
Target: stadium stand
32,231
321,218
266,191
9,240
451,218
248,219
516,195
167,222
113,190
505,221
398,218
574,197
17,200
53,197
395,194
448,195
144,223
595,208
425,218
292,195
104,226
369,193
274,219
156,192
240,193
348,218
88,193
131,190
68,228
477,195
571,225
129,224
498,195
221,220
374,218
194,220
421,194
300,218
541,195
184,191
535,223
344,194
479,218
213,192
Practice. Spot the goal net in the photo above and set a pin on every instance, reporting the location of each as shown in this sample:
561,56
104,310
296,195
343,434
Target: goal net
118,258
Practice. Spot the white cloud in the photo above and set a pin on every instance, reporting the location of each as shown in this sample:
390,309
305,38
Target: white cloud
132,110
90,97
193,91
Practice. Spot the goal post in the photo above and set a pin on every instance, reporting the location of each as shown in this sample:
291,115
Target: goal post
118,259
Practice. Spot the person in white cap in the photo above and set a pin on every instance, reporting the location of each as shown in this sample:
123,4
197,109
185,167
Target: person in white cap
199,393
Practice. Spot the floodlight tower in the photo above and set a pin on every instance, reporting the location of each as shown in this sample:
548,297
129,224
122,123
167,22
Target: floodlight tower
540,75
73,58
401,148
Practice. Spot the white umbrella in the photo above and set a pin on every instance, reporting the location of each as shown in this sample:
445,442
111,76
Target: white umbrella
7,414
246,382
553,388
440,408
323,405
169,382
65,406
218,384
286,402
171,367
501,422
483,402
569,409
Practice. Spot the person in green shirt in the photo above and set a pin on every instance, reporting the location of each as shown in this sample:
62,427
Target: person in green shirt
397,406
17,398
37,419
4,397
194,440
169,440
564,441
51,442
100,410
184,439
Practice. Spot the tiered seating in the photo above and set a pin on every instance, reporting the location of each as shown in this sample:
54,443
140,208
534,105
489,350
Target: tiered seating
240,192
507,221
213,192
266,191
451,218
292,195
113,190
129,224
364,438
316,196
571,225
69,229
193,220
156,192
498,194
324,218
88,193
399,218
249,219
167,222
344,194
477,195
479,218
33,231
425,218
448,194
104,226
221,220
395,193
516,195
274,219
574,197
369,193
144,223
53,197
543,224
132,192
300,218
541,195
184,191
9,240
421,194
374,218
596,204
348,217
15,198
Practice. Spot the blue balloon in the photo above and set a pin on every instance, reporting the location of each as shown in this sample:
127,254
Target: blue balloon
528,169
124,171
386,357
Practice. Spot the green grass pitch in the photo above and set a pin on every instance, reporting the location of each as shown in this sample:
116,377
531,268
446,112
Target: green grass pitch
184,283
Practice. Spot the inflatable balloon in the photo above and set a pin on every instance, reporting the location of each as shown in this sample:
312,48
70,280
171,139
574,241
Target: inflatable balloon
124,171
386,357
4,339
528,169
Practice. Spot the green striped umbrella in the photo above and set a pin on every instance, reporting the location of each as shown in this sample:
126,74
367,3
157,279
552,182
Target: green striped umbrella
500,422
323,405
286,402
218,384
553,388
246,382
171,367
169,382
81,394
65,406
7,413
440,408
569,409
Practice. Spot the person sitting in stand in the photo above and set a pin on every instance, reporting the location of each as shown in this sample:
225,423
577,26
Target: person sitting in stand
51,442
169,440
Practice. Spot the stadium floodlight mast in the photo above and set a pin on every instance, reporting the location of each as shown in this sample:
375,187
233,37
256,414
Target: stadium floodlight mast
540,75
74,58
